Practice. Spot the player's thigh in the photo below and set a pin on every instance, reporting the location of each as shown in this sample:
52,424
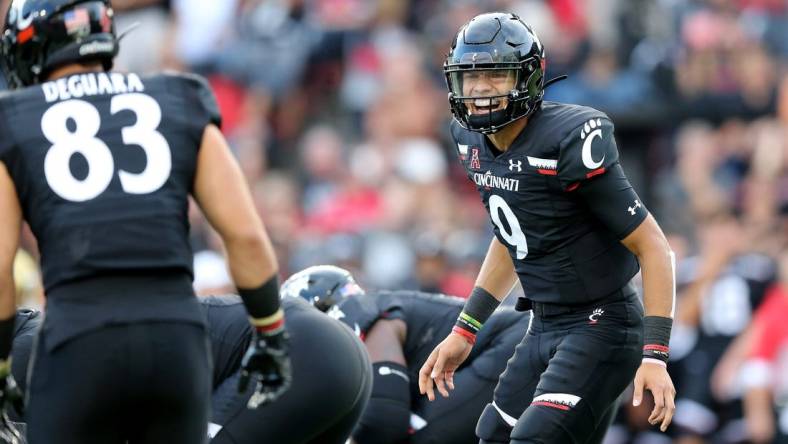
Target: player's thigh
174,402
514,390
590,368
75,391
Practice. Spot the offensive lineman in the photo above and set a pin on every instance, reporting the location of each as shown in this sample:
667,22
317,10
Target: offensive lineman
569,225
323,404
101,164
400,329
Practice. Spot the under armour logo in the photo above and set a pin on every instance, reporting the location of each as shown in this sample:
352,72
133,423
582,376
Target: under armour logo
633,210
518,165
594,317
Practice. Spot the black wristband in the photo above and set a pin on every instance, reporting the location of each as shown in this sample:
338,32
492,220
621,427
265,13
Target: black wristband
6,336
262,301
656,337
480,305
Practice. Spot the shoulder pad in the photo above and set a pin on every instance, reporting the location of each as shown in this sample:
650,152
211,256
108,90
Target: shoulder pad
587,151
202,96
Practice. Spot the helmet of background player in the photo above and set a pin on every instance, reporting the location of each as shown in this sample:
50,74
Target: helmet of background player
322,286
41,35
495,72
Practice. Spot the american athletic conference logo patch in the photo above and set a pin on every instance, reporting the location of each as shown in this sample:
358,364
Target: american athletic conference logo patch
475,163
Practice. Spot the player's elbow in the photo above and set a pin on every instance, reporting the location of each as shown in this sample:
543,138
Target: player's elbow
648,240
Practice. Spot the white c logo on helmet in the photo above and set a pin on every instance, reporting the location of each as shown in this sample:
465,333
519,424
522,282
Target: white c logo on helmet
592,129
21,21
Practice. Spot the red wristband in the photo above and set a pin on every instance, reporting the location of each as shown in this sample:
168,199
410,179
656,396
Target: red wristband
470,337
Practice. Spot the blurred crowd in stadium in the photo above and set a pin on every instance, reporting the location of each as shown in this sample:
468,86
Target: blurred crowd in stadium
337,111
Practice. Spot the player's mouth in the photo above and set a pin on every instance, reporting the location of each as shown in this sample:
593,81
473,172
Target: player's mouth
485,106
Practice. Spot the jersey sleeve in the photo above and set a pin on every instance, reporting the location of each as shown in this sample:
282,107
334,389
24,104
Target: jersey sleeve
587,151
613,201
204,103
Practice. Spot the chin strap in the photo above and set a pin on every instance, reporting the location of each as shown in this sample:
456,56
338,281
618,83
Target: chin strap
554,80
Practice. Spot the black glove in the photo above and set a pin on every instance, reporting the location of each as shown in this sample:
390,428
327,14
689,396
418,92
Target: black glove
10,396
268,358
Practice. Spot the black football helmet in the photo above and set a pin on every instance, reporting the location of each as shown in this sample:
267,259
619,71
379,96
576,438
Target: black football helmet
41,35
323,286
496,42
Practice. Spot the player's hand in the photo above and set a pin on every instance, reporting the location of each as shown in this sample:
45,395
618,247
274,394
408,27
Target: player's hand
267,362
441,364
655,378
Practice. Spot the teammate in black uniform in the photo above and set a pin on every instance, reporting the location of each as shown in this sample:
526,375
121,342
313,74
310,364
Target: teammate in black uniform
568,225
101,165
325,401
400,329
321,407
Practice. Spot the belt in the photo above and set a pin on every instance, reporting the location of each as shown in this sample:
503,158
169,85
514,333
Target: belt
544,309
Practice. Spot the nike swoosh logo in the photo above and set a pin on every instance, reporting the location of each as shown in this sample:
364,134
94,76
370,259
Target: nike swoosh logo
588,161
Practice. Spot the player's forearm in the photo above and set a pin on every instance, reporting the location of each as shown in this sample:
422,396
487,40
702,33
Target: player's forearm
254,269
251,259
7,295
497,274
494,282
657,267
657,264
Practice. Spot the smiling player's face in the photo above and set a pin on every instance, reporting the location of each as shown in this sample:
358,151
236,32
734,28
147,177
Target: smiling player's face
487,83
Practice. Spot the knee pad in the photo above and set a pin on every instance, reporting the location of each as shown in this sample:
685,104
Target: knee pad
494,425
387,416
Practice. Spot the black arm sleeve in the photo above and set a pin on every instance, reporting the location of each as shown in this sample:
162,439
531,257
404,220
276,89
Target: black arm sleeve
613,201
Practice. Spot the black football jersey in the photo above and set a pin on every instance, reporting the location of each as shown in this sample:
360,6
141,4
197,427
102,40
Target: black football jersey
103,164
562,251
429,318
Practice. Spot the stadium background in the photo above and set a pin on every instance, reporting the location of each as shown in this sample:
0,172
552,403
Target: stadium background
337,111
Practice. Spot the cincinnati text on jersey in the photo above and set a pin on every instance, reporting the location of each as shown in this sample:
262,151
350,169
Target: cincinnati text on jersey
491,181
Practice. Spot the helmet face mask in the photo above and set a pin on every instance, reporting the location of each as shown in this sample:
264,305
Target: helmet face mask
41,35
501,50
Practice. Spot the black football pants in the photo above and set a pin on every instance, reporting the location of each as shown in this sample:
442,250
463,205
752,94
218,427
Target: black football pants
563,381
147,382
332,382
